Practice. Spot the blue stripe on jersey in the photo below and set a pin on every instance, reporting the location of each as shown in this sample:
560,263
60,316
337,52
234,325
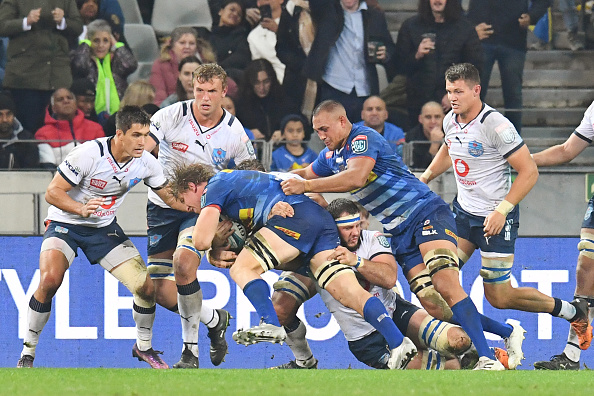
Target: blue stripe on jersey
429,360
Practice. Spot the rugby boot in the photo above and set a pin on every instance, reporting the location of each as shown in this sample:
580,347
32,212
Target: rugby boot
218,343
580,323
484,363
401,356
150,356
513,344
26,361
293,365
187,360
264,332
557,362
501,355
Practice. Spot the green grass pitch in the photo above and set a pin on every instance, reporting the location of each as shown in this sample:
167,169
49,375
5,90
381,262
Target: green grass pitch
137,382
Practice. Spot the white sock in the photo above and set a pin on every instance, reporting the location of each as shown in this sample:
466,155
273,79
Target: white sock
189,301
572,349
567,310
299,346
209,316
144,319
37,316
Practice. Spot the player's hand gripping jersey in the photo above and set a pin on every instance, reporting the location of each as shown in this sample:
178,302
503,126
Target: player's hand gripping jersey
93,173
479,150
392,193
183,141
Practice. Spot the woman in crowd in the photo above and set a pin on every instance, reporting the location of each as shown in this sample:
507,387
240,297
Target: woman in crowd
184,88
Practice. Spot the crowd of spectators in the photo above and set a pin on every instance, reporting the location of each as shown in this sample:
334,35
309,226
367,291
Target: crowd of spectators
282,57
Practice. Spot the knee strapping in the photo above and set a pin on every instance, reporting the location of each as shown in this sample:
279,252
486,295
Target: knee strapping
261,250
586,245
290,284
462,258
440,259
331,270
160,269
432,360
434,334
496,269
184,241
132,274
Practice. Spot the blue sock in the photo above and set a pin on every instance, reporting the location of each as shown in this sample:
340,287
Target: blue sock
258,292
375,313
503,330
466,314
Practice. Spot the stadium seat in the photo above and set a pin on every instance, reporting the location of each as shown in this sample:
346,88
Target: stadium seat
131,11
169,14
143,42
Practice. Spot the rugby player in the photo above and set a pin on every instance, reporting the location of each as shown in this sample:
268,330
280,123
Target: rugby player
193,131
482,144
358,159
90,185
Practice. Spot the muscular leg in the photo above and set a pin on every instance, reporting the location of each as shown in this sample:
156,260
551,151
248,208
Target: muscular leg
52,265
420,283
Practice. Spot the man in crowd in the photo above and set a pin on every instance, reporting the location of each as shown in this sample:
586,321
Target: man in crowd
426,136
15,154
374,116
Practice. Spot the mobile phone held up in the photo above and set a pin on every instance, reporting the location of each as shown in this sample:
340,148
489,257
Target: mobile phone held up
265,11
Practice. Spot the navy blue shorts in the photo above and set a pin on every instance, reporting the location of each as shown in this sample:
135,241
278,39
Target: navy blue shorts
95,243
470,227
164,226
435,223
373,349
311,229
588,219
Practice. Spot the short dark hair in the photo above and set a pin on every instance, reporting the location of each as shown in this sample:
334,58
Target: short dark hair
184,174
328,106
342,205
129,115
452,11
463,71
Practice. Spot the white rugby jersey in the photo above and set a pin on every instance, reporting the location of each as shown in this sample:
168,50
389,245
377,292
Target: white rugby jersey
93,173
353,325
183,141
586,128
479,150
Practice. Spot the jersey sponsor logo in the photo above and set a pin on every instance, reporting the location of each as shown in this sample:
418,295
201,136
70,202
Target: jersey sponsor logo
329,154
359,144
506,133
194,127
72,169
218,155
113,166
109,202
156,125
461,167
154,239
200,144
98,183
475,148
134,182
181,146
451,234
61,230
118,180
588,212
429,232
291,233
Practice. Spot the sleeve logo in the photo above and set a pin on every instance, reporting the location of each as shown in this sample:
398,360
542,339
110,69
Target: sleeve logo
359,144
507,133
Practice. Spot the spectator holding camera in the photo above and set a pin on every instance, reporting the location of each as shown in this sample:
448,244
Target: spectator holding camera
429,42
262,39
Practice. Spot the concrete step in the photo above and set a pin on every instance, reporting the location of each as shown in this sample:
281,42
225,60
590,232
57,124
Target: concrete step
547,98
566,118
586,157
559,60
398,5
395,19
550,78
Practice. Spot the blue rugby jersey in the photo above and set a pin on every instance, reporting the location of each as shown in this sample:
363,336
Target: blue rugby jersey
392,193
246,196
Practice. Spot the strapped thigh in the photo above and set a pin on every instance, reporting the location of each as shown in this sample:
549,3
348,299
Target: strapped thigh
132,274
432,360
53,243
434,334
422,286
160,268
331,270
496,267
586,245
262,251
440,259
184,241
290,284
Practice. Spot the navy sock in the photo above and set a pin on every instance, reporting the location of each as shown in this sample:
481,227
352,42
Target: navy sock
375,313
503,330
466,314
258,292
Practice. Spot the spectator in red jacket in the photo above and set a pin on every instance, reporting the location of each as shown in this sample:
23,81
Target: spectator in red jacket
65,127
